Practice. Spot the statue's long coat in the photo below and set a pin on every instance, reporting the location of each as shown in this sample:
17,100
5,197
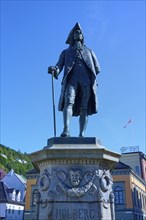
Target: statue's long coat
67,60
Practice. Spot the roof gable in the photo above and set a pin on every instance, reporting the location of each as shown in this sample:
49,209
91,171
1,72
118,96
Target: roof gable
5,196
21,178
121,165
13,175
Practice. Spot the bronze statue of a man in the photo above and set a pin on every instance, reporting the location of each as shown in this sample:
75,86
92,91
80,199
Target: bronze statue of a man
78,94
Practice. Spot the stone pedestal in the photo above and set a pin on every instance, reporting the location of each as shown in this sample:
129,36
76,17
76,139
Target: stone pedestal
75,181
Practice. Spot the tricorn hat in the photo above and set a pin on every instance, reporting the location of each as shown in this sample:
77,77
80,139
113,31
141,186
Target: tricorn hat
70,36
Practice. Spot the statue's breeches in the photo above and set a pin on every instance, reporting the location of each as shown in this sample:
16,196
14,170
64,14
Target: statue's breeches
77,90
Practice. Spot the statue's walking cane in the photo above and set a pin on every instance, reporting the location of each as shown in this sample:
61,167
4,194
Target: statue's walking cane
53,100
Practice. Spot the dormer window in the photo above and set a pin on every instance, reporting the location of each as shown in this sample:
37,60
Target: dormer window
18,196
14,195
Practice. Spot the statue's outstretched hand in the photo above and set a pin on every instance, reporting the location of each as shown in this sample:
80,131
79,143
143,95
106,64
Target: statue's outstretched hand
53,70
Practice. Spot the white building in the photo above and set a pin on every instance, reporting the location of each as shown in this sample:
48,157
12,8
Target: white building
13,180
11,208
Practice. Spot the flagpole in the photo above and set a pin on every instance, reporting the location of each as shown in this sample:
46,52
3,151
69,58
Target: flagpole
131,140
132,135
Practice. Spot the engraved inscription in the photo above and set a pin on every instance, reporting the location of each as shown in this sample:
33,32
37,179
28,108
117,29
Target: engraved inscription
83,214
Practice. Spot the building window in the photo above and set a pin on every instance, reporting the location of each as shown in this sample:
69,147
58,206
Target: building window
18,197
13,210
144,201
19,211
137,171
35,197
136,203
118,192
14,195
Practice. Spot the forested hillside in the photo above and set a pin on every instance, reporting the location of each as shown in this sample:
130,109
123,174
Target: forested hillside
11,159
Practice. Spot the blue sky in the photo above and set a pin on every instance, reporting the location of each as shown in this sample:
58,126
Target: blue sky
33,34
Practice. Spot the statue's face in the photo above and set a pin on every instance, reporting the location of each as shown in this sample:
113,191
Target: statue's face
75,177
78,36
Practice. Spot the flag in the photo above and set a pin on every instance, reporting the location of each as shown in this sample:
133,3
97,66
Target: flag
128,123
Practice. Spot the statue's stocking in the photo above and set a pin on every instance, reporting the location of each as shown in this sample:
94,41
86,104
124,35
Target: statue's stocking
67,114
83,120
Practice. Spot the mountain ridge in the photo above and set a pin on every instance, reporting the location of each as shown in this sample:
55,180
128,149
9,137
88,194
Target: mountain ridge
16,160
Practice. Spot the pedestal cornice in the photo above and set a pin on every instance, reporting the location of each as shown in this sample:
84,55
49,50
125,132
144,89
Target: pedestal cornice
75,149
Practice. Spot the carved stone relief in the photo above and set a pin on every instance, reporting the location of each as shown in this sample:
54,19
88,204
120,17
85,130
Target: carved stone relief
61,183
75,189
106,181
74,182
